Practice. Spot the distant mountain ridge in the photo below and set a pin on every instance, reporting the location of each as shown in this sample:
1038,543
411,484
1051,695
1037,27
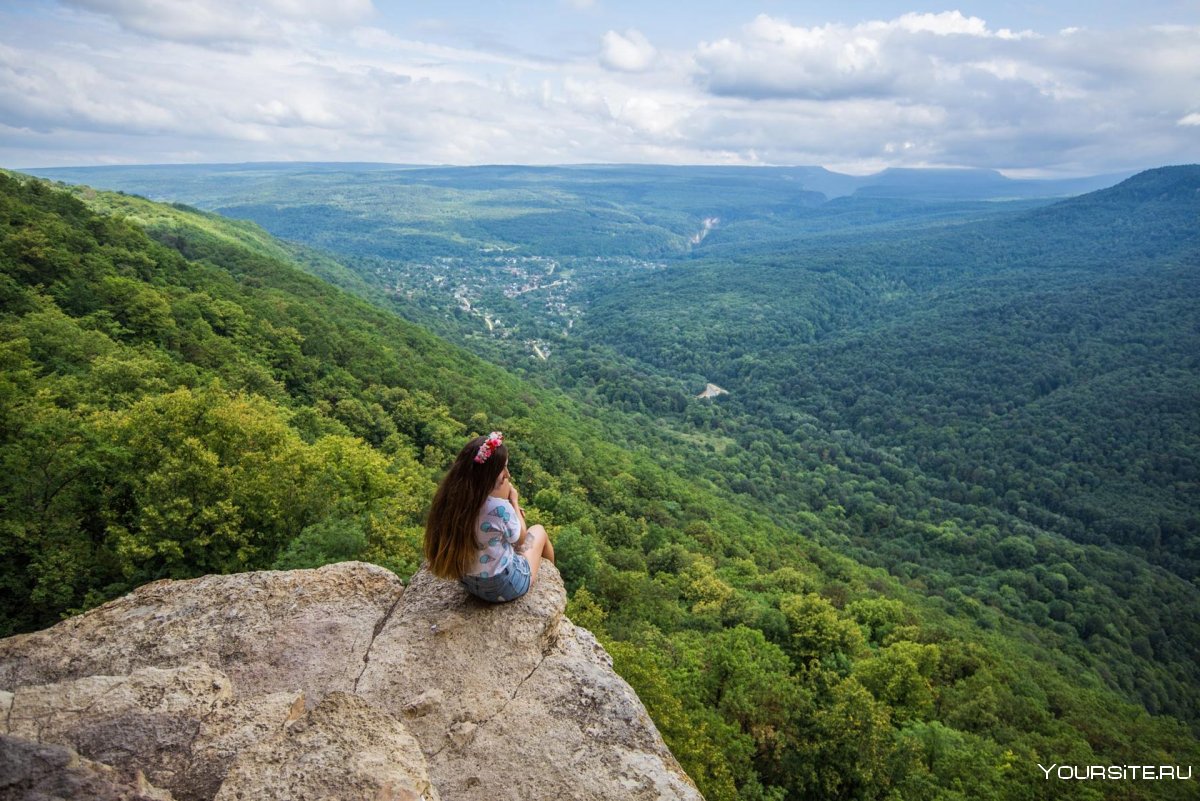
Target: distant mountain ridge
894,182
1151,214
972,184
1178,184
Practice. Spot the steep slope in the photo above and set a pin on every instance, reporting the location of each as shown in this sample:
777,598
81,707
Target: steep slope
192,405
973,342
1033,380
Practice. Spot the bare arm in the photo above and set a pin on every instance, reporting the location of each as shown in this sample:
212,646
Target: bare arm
515,499
504,489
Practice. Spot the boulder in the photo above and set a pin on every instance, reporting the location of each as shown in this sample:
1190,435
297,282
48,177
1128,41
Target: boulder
332,683
343,748
36,772
179,727
513,701
582,732
301,630
457,657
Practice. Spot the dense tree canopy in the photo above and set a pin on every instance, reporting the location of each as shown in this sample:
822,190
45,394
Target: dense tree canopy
178,397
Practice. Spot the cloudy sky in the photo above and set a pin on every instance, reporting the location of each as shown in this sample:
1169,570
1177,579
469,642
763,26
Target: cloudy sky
1053,87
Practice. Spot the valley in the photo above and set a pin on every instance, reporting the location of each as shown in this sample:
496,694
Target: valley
967,424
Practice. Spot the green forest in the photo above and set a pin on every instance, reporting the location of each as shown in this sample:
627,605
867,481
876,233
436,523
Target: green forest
863,574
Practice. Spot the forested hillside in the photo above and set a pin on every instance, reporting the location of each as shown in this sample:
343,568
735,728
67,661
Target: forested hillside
1033,381
179,397
1000,396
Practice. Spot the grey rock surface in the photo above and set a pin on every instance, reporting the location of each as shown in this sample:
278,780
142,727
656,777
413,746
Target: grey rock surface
343,748
36,772
513,701
336,683
123,721
179,727
442,643
582,731
271,630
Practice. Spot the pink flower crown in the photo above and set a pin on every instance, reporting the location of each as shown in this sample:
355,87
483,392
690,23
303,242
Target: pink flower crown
494,440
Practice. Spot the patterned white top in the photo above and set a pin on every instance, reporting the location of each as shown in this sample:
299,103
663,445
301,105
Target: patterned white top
496,529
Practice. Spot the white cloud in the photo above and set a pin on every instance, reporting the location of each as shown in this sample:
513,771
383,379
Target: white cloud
921,89
217,22
944,24
1002,99
773,58
395,47
648,115
628,52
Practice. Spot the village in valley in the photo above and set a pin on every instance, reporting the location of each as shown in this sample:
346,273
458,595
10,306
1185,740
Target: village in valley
528,300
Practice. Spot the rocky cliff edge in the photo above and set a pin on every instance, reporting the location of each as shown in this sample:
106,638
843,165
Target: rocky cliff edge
338,683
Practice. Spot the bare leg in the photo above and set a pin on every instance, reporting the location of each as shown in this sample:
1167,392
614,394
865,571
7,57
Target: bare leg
537,545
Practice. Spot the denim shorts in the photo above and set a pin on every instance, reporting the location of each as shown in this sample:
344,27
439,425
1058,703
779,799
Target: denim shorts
508,585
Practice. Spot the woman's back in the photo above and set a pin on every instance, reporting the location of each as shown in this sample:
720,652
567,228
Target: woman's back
476,530
496,529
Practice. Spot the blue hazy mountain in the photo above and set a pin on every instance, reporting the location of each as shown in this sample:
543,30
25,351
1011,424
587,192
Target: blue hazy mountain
157,181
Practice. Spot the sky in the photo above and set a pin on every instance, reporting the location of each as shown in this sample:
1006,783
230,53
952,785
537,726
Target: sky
1034,89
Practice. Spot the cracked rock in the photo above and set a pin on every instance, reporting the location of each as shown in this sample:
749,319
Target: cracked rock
342,748
521,680
442,639
180,727
302,630
294,685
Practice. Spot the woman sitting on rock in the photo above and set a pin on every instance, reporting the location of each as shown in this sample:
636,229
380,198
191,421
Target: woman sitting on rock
476,530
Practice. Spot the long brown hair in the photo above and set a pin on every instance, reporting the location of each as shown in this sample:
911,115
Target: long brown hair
450,527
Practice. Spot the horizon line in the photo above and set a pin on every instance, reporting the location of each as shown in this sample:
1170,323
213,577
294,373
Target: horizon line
584,165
